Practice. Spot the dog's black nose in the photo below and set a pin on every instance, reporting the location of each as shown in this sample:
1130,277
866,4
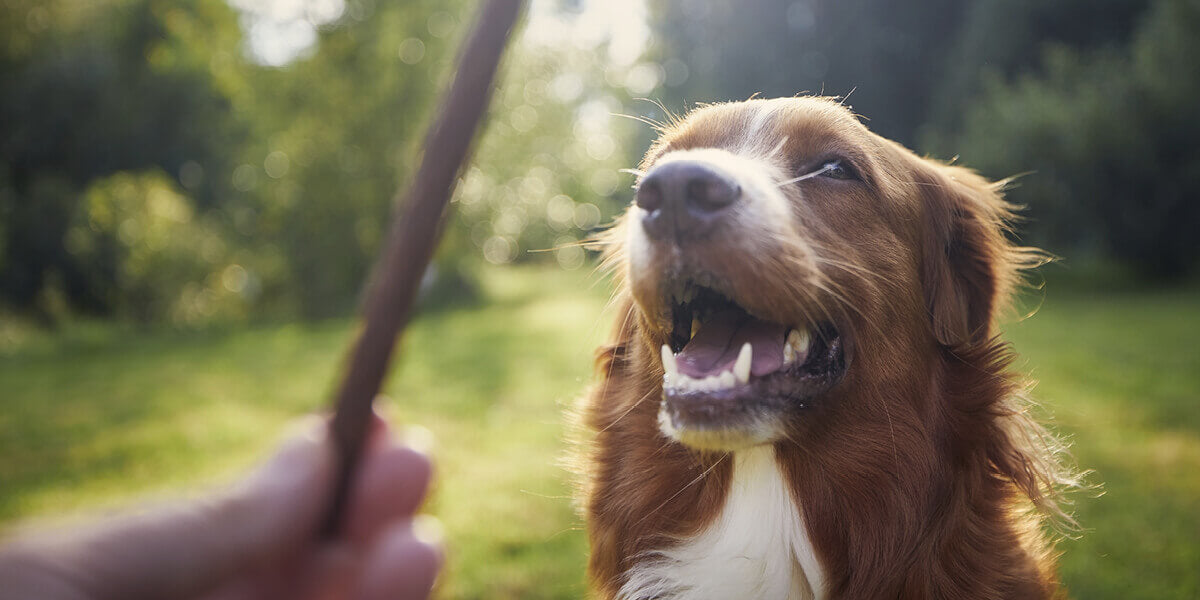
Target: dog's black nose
684,199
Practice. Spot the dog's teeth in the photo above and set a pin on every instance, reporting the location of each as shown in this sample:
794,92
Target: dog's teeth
674,380
741,368
799,339
680,382
727,380
695,328
668,361
796,346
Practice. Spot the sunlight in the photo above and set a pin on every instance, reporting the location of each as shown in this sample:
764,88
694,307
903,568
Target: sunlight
622,23
281,31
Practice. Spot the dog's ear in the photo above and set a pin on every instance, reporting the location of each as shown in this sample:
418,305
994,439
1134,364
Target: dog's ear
967,262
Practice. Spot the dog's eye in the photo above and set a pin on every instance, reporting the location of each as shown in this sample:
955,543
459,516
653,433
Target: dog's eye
837,169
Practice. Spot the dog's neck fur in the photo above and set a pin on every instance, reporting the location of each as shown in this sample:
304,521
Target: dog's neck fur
757,548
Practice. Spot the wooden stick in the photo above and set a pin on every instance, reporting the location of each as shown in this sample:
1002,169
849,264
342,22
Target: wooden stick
412,239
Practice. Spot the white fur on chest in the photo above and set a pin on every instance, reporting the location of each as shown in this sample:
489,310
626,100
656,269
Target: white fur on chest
756,549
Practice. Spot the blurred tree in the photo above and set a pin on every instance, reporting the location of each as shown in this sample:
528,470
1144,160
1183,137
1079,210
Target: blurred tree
91,89
889,54
286,168
546,174
1005,38
340,133
337,133
1113,140
160,260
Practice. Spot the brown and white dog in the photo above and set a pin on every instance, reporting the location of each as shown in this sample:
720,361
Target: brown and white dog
806,396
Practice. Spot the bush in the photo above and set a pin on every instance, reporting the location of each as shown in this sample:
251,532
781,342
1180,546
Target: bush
1112,142
150,257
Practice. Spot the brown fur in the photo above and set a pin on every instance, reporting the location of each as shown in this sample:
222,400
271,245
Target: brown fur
917,472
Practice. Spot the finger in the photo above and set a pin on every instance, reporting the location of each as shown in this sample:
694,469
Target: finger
400,566
390,485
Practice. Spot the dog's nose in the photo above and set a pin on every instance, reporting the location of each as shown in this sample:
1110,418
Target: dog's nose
684,199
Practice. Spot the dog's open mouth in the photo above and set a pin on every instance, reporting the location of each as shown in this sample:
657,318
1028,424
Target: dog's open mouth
729,373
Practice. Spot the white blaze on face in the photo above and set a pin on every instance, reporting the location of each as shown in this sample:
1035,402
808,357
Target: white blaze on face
756,138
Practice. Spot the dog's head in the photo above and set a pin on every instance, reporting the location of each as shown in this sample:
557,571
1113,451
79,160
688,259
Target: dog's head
778,254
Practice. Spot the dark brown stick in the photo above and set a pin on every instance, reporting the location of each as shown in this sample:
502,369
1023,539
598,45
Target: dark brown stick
413,237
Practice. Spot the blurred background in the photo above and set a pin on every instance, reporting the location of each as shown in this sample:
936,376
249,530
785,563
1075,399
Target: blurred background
192,191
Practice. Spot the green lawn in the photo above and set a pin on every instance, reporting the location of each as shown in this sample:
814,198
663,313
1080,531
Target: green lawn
95,415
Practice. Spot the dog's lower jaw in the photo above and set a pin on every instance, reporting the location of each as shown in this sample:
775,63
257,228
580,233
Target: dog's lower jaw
725,439
757,547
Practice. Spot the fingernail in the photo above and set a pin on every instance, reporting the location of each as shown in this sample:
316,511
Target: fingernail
428,530
419,438
311,428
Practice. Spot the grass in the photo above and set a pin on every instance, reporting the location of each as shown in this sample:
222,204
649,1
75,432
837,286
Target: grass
1120,372
96,416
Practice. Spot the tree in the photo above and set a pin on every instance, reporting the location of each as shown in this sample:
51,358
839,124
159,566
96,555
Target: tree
91,90
1113,140
887,56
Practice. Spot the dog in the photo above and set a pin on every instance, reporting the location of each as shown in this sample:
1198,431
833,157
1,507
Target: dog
806,395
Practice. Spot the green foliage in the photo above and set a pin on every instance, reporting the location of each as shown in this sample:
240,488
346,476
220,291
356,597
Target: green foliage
150,257
546,170
292,170
90,90
95,416
336,135
1008,38
1112,140
886,56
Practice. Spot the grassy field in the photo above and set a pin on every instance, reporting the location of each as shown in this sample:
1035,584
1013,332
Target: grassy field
95,416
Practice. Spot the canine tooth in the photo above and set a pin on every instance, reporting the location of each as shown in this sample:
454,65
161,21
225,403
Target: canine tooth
789,355
695,328
741,368
668,361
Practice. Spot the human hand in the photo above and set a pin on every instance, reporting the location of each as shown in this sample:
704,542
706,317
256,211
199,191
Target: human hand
260,540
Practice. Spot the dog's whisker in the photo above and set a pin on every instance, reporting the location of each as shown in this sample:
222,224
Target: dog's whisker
631,408
657,126
818,172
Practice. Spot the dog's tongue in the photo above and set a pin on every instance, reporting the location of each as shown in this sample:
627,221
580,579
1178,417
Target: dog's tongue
715,347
